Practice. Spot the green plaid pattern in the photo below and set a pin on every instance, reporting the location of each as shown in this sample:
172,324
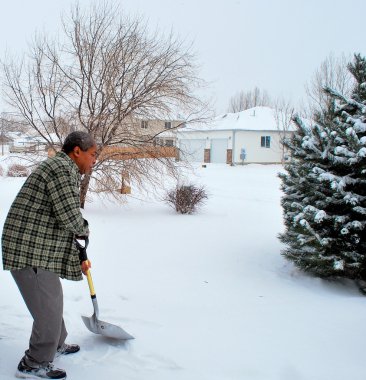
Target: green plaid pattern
43,219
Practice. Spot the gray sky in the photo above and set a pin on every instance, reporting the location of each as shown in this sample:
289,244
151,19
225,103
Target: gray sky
275,45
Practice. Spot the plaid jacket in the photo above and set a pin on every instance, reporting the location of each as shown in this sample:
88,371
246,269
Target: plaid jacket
41,223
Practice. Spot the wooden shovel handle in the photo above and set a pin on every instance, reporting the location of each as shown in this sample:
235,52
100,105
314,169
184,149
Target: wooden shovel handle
90,283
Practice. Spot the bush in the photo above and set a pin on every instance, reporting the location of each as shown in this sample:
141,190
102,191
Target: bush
17,170
1,171
185,199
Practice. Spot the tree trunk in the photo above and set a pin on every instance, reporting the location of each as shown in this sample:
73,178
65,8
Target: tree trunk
84,186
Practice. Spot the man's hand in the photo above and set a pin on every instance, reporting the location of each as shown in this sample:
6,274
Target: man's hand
85,266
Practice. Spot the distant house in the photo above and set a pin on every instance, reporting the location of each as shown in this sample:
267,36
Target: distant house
5,141
162,131
250,136
26,144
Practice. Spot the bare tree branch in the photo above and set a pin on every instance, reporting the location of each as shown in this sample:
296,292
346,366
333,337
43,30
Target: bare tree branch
245,100
109,73
283,114
332,73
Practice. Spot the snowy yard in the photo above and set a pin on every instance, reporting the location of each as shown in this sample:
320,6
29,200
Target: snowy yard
207,296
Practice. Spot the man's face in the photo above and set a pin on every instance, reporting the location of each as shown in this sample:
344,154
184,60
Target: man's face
85,160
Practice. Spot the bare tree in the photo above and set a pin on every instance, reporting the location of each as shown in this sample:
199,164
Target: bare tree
332,73
3,134
108,73
283,114
245,100
8,123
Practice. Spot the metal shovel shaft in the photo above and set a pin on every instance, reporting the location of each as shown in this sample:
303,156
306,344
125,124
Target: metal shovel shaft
92,293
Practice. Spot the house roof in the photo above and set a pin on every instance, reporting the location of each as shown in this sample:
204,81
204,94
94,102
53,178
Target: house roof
253,119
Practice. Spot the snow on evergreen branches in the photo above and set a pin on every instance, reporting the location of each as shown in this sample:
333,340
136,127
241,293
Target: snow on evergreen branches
324,186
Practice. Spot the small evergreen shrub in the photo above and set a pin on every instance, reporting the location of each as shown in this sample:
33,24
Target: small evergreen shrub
186,199
17,170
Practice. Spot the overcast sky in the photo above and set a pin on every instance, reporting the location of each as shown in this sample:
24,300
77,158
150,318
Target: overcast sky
275,45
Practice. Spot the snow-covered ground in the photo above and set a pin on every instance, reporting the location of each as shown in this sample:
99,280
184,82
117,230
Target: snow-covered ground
207,296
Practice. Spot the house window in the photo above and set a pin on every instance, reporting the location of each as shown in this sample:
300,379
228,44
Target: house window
265,141
168,124
143,124
169,142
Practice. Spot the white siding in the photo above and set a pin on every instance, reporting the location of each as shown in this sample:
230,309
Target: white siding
249,140
192,149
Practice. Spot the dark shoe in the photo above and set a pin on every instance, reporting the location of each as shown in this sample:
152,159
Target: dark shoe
47,371
67,349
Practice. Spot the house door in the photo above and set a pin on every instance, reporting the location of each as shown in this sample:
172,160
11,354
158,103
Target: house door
219,150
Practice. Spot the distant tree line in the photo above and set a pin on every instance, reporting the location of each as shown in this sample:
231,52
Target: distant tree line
244,100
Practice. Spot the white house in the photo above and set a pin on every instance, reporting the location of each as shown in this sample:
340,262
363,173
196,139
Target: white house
250,136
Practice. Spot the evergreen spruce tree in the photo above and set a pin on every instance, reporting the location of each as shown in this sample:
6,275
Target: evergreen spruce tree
324,186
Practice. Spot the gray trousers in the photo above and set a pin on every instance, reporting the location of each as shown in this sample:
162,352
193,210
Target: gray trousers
42,293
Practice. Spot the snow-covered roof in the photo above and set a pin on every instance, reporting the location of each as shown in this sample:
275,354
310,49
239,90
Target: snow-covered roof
253,119
168,134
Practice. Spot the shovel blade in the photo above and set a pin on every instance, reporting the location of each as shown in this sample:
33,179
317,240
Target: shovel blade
104,328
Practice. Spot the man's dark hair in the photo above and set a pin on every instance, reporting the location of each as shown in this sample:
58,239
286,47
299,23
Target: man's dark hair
78,138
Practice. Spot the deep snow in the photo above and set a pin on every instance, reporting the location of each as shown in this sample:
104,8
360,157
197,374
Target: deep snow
207,296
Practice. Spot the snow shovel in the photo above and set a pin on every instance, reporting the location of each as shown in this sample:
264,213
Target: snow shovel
93,323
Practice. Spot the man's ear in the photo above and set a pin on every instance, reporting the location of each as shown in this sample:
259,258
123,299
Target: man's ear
76,151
